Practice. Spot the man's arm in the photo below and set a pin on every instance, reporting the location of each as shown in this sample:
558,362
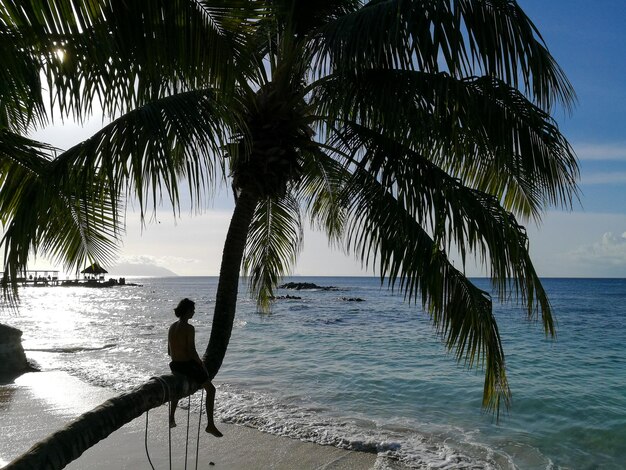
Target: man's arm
191,344
169,332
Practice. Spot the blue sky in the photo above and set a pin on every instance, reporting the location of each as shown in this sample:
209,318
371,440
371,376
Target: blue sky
588,39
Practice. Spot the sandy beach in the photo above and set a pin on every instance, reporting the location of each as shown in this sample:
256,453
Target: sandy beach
38,403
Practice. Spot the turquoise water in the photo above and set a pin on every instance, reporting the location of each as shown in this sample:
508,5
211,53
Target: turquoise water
368,375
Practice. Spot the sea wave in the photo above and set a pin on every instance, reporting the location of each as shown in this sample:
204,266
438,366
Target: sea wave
445,449
71,349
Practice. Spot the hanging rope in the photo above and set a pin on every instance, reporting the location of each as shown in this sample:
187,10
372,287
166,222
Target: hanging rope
166,394
187,438
169,432
145,441
199,424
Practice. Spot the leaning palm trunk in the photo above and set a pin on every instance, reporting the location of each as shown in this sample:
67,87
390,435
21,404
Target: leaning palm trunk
227,287
67,444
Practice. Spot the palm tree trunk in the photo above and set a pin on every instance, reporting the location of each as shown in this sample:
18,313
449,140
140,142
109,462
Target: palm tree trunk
228,284
67,444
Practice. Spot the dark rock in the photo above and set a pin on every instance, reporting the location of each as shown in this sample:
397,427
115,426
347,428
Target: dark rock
286,297
12,358
305,286
352,299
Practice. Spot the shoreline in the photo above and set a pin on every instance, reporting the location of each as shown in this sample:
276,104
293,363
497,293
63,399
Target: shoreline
38,403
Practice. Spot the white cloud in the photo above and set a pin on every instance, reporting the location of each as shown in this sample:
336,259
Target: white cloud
190,245
604,178
610,251
164,260
601,151
576,245
320,259
70,132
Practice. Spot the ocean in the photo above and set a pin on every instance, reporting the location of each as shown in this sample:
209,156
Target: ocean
368,375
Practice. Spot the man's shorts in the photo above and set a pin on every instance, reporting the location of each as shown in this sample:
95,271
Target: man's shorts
191,369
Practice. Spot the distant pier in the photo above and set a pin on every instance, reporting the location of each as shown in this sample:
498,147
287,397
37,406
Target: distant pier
39,277
50,278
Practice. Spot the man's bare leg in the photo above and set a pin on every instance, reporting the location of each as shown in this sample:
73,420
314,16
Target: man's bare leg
210,404
173,405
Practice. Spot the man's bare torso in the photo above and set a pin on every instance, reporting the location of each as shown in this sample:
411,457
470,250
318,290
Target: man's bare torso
181,345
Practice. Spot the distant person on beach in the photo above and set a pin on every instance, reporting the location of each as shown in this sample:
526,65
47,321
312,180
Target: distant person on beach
181,347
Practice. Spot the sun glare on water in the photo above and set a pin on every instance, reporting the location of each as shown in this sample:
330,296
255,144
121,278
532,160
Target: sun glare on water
62,394
58,317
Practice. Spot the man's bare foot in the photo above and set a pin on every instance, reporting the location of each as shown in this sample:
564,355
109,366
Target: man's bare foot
211,429
172,424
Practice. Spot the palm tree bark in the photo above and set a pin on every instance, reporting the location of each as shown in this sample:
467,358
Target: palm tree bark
228,284
67,444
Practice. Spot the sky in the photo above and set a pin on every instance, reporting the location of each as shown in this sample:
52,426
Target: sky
588,40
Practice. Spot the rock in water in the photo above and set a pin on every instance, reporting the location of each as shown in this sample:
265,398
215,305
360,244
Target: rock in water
305,286
12,358
352,299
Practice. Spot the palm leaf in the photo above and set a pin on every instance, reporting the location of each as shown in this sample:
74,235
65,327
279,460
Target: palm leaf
463,37
274,241
42,216
303,17
478,129
148,150
321,190
457,216
123,54
21,100
379,226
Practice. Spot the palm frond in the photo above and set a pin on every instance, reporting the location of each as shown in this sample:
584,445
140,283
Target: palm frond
303,17
20,159
42,215
379,226
320,189
462,37
148,150
21,99
478,129
121,54
274,241
464,218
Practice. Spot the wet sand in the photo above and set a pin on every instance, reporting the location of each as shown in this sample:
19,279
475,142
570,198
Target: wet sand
39,403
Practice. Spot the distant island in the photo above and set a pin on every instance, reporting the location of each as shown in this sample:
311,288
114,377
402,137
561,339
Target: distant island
139,270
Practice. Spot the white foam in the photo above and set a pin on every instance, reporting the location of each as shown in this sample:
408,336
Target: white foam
415,449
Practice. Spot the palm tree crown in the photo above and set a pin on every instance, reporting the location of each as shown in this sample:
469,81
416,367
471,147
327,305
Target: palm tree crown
402,128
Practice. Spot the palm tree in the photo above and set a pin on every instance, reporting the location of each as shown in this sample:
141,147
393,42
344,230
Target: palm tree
403,129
